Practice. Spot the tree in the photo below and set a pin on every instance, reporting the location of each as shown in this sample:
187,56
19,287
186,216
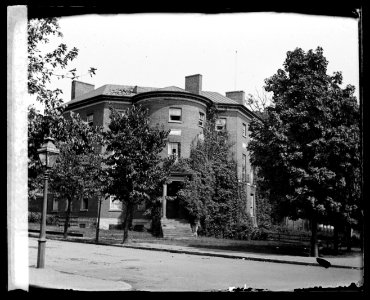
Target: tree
259,102
75,138
133,159
306,148
78,172
212,197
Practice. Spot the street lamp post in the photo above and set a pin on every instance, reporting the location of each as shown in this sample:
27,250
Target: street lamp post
48,154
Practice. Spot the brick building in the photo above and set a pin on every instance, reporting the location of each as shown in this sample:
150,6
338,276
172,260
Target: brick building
183,112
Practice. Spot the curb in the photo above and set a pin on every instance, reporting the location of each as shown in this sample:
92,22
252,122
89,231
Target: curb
236,257
206,254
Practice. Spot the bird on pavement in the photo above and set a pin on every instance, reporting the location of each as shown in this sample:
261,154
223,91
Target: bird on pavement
323,262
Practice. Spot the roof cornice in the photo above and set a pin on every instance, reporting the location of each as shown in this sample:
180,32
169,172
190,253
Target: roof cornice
239,107
97,99
154,94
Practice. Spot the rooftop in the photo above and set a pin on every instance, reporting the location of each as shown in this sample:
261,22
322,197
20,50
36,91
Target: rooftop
129,91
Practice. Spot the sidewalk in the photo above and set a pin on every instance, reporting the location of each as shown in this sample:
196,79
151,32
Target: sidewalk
51,279
354,261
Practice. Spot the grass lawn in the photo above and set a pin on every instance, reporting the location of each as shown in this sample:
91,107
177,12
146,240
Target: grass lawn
115,236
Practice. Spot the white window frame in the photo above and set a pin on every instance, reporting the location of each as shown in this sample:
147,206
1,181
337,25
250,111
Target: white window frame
202,117
114,207
55,204
219,122
244,167
122,112
67,205
170,149
82,204
253,206
90,122
171,114
244,129
251,176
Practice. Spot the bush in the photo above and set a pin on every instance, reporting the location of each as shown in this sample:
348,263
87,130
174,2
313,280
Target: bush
51,220
259,234
34,217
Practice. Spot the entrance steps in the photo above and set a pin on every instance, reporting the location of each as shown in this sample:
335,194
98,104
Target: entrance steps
176,229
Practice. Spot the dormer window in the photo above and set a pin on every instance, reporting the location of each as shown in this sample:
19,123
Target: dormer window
201,118
175,114
220,124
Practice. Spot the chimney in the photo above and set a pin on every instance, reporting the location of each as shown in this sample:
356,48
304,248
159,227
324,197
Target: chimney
193,83
238,96
79,88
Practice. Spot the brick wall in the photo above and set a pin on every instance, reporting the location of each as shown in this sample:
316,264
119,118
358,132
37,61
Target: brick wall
79,88
159,114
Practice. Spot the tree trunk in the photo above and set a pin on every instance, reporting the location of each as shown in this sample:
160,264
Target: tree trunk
68,213
348,238
314,245
336,238
98,222
126,221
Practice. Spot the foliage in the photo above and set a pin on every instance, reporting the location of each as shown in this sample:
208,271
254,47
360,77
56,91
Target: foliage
51,220
34,217
133,160
78,168
306,149
213,197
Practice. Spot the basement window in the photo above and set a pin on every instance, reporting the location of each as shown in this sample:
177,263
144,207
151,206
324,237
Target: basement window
175,114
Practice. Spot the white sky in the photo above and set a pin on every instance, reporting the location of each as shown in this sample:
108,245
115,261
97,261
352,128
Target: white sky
231,51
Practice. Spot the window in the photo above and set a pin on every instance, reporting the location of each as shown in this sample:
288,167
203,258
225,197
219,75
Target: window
114,204
201,119
84,203
252,208
251,176
67,205
175,132
121,112
141,207
55,204
244,129
175,114
174,149
244,168
90,119
220,124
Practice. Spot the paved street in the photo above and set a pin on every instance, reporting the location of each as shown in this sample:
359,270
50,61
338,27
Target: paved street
115,267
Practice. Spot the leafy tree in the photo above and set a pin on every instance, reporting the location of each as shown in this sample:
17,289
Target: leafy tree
41,68
75,138
213,197
306,148
133,159
78,172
